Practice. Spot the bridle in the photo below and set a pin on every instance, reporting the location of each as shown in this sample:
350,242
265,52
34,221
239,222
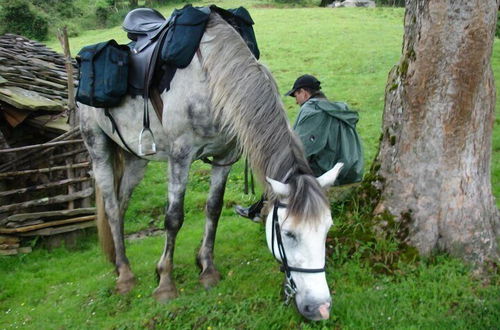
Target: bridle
290,286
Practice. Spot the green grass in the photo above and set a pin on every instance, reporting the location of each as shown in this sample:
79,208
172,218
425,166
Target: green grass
351,51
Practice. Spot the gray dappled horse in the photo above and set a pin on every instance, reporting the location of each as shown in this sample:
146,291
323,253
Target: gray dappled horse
222,104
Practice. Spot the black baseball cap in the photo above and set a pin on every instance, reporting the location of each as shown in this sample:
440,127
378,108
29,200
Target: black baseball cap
304,81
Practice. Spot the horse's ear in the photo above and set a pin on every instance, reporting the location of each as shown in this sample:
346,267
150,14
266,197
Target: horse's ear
328,179
279,188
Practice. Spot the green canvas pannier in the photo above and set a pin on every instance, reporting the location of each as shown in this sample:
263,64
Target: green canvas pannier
103,74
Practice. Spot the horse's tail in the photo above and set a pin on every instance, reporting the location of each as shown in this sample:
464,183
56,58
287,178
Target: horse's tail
103,228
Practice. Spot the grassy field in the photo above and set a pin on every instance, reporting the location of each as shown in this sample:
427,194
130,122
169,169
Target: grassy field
351,51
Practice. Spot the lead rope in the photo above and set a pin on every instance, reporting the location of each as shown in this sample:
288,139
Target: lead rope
252,186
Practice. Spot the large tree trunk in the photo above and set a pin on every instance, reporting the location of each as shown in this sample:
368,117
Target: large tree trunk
433,165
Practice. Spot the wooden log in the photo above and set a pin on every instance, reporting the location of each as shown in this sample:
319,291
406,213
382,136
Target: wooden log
23,224
43,145
58,230
26,155
69,154
47,224
70,174
42,170
62,35
14,74
47,200
43,186
11,252
48,215
9,246
8,239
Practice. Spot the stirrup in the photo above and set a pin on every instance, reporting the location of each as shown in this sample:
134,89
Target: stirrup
147,147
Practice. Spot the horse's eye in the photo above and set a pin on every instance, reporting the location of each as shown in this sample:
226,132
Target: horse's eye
291,235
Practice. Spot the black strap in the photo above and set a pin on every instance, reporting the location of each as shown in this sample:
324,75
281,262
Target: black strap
211,162
149,75
276,231
115,129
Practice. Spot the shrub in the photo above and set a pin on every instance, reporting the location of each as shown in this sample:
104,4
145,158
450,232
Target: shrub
19,18
101,15
61,8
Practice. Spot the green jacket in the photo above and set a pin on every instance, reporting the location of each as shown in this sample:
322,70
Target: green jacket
328,132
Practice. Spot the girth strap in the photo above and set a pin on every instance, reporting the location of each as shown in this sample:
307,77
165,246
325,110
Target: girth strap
115,129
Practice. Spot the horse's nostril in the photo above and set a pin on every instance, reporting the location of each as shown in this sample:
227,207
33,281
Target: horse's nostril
324,311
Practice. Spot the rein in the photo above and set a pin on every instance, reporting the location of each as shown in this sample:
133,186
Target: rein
290,286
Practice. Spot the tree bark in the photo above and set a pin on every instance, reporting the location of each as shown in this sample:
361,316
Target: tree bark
433,166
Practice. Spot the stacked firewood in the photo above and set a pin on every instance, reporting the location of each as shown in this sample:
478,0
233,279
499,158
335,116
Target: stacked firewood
11,245
42,70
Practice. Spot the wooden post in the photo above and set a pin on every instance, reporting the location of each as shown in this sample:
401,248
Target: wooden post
62,35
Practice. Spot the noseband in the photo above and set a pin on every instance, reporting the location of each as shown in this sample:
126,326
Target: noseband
290,286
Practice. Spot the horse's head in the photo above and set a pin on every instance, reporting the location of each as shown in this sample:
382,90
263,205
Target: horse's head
299,244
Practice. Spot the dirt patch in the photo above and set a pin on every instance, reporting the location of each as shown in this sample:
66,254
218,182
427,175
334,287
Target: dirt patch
144,233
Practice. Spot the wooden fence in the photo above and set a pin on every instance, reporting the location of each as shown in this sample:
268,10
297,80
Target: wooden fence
45,189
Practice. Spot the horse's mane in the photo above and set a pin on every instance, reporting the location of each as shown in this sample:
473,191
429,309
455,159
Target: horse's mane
246,102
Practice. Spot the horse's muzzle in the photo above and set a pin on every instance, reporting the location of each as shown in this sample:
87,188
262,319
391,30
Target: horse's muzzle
315,312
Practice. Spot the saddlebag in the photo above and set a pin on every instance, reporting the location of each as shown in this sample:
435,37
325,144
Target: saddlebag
103,74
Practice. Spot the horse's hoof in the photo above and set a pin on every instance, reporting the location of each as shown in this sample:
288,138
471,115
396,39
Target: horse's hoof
210,279
124,286
165,294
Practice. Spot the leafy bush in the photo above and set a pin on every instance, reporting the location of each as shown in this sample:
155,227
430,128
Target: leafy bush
20,18
60,8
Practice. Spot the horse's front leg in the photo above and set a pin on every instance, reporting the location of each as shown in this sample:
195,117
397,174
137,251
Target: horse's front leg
209,276
178,176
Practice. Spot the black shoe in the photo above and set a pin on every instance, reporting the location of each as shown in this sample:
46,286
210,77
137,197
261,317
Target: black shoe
246,213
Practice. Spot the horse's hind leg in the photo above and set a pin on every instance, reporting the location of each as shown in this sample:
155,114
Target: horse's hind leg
178,176
133,172
113,174
209,276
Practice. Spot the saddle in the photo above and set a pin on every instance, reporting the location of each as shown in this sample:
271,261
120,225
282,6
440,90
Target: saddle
156,45
159,46
144,26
